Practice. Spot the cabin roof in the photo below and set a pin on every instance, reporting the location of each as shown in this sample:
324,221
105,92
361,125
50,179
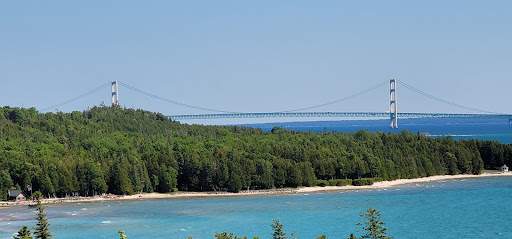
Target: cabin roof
15,193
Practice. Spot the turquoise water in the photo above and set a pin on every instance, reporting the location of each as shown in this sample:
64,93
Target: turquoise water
465,208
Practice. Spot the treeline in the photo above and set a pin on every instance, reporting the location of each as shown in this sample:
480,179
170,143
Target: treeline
124,151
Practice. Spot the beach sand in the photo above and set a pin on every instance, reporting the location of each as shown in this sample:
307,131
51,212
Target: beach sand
377,185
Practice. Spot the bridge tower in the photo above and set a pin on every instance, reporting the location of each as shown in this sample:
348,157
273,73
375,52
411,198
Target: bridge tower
115,93
392,104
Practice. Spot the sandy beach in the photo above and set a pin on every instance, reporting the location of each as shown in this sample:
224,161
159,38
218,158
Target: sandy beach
377,185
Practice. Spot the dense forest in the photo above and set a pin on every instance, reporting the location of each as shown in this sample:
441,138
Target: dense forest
124,151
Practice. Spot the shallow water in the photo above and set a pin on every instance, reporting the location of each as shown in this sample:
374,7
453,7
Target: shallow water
464,208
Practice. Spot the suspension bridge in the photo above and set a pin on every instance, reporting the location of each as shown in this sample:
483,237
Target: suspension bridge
392,114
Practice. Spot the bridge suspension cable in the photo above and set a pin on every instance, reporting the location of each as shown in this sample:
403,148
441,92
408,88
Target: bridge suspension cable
76,98
230,112
339,100
172,101
442,100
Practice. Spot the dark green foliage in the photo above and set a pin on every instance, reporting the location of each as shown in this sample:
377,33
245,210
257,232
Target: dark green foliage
362,181
234,184
340,182
169,180
321,237
125,151
308,174
92,179
322,183
23,233
378,179
278,233
352,236
5,184
42,231
373,226
37,196
451,161
225,235
277,230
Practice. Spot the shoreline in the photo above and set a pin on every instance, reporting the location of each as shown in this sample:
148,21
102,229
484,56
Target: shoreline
264,192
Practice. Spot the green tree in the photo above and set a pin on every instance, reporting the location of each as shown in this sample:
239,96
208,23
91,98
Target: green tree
121,180
277,230
23,233
169,180
294,176
37,196
225,235
155,182
452,163
5,184
96,182
122,235
122,151
308,174
352,236
42,231
234,184
373,225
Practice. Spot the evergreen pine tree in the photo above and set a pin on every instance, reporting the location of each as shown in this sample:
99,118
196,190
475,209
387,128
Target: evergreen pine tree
42,230
278,230
373,225
226,235
23,233
352,236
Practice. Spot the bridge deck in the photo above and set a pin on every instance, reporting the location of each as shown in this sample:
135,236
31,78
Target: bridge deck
337,115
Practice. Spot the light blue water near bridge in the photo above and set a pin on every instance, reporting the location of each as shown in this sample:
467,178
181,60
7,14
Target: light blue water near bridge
495,130
464,208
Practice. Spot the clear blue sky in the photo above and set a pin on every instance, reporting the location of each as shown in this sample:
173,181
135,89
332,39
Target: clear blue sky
257,56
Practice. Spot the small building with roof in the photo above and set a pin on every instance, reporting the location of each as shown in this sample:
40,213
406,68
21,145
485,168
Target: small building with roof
504,168
18,195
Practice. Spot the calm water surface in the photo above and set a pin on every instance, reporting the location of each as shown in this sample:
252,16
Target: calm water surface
496,130
466,208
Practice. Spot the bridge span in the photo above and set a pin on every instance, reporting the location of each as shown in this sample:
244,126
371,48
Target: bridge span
392,113
338,115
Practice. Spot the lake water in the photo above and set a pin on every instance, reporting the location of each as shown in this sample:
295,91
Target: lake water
496,130
466,208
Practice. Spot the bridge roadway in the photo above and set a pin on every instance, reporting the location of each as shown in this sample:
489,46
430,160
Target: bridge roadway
337,114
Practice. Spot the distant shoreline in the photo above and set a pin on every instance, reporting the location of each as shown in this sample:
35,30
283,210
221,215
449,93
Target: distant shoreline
377,185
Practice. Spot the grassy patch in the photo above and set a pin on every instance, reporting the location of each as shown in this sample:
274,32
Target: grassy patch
491,171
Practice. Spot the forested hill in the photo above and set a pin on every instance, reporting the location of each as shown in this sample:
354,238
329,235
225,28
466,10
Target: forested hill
123,151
